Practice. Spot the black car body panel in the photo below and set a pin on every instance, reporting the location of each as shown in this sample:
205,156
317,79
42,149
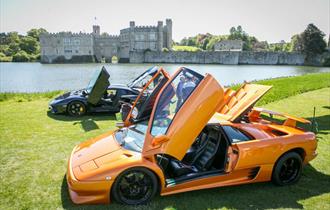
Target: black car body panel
100,96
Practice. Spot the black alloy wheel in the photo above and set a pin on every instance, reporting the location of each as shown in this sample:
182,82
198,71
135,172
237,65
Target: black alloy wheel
135,186
76,109
288,169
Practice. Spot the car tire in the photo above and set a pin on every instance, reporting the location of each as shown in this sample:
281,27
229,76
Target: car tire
135,186
76,109
288,169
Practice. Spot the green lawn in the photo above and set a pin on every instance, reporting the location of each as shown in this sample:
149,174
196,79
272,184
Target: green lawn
35,147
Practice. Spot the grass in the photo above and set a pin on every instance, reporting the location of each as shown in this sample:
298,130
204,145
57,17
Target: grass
35,147
20,97
284,87
290,86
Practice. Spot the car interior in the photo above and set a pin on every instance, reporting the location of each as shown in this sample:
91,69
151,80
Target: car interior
207,155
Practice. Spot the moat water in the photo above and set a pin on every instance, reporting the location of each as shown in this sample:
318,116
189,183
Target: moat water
36,77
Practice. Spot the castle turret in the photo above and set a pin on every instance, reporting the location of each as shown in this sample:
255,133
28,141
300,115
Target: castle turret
169,34
96,30
131,35
160,35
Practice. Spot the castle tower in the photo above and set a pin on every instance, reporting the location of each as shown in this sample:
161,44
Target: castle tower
169,34
96,30
131,35
160,35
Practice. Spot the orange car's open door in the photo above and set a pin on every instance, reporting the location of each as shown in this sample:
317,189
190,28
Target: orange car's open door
241,101
182,109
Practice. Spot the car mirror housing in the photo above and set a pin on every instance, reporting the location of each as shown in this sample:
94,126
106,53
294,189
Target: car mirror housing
120,124
159,140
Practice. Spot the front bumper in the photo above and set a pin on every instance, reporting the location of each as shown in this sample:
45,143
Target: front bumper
83,192
56,109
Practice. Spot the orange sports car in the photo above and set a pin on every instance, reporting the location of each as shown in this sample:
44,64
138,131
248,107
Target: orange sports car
192,135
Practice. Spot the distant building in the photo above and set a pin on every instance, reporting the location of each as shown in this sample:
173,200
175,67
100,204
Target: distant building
260,46
229,45
80,47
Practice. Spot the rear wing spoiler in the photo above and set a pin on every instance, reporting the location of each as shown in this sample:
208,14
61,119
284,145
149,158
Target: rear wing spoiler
290,121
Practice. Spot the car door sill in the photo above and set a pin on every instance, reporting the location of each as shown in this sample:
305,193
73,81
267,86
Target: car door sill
192,176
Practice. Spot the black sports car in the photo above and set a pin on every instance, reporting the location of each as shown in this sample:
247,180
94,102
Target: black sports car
100,96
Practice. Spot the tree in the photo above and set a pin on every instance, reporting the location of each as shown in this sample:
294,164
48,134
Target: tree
21,56
13,48
296,43
312,40
13,37
35,33
239,34
29,45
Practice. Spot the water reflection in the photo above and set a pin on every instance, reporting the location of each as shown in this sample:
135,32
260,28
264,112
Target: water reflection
36,77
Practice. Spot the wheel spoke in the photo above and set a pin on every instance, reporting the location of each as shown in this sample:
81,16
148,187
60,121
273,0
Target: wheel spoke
135,186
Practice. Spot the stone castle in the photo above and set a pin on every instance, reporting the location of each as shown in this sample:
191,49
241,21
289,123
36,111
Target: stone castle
67,47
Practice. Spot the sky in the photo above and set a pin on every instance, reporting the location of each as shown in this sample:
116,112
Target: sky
270,20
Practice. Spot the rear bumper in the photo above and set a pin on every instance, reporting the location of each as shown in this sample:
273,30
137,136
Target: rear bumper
83,192
310,157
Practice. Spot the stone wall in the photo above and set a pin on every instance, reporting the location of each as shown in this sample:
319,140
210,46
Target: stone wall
105,47
230,58
65,45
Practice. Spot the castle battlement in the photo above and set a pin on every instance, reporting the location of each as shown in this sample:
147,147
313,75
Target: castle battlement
66,33
147,27
70,45
107,36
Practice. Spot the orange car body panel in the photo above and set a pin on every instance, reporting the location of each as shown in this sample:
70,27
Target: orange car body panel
95,164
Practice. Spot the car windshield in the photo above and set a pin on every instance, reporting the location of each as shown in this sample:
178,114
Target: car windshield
144,78
93,81
172,98
132,138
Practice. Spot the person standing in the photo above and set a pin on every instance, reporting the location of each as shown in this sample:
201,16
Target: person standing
179,92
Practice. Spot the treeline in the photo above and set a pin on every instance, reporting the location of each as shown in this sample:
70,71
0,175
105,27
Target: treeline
19,48
310,41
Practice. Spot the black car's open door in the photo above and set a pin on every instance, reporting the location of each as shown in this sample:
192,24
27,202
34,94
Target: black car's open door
97,86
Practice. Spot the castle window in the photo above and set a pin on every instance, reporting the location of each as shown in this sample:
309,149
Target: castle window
152,36
66,41
77,42
89,52
67,51
152,45
77,51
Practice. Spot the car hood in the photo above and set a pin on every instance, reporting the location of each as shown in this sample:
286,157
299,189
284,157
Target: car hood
94,148
71,93
92,158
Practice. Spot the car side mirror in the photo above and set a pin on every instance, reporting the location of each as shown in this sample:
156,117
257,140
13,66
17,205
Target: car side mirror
159,140
120,124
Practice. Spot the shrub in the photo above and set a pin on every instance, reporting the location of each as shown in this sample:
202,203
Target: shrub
165,49
4,58
21,56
